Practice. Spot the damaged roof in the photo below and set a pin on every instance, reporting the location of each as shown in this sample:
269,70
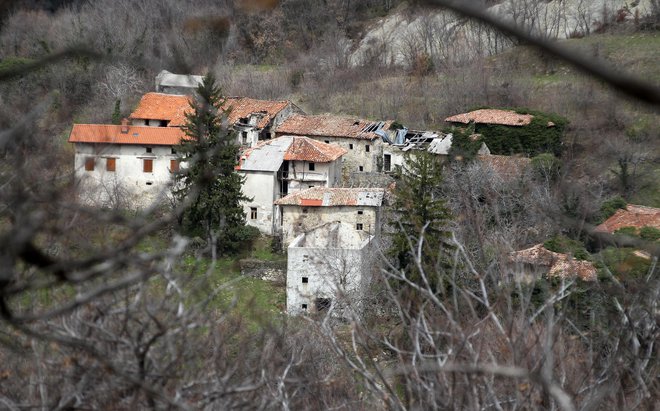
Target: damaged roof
161,106
268,155
244,107
328,125
492,116
329,197
633,216
559,265
167,79
112,134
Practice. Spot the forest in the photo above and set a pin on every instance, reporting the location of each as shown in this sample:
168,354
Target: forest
118,308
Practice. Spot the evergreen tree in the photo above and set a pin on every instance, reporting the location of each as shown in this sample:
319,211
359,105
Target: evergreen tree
116,114
209,156
423,217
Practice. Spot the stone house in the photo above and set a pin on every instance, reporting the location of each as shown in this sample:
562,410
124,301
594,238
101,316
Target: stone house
329,269
124,165
305,210
528,264
636,216
277,167
362,139
171,83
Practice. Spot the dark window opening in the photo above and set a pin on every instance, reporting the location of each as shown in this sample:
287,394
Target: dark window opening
149,149
305,280
304,307
387,162
149,183
173,150
366,148
323,304
360,212
305,210
359,226
162,123
244,137
350,146
311,166
327,141
361,168
253,213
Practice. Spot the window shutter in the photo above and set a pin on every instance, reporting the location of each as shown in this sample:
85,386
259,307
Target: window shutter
174,166
110,164
148,165
89,164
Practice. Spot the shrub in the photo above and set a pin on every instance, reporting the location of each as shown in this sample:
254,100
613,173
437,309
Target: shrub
649,233
463,146
631,231
565,245
546,165
610,206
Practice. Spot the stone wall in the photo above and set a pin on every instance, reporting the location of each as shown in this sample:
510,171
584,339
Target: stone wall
273,271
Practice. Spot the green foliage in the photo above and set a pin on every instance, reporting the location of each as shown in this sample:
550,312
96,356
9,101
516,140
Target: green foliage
565,245
419,202
210,154
624,264
546,165
629,231
12,63
116,114
610,206
531,140
649,233
463,146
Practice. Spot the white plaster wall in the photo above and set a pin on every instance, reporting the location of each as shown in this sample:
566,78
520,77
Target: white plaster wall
343,275
296,222
128,185
263,188
358,155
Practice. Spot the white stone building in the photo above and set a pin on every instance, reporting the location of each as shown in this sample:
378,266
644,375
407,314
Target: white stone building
171,83
124,165
362,139
329,268
277,167
359,208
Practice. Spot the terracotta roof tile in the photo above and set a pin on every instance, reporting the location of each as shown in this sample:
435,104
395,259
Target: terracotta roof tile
633,216
243,107
492,116
306,149
111,134
328,197
506,166
326,125
558,265
160,106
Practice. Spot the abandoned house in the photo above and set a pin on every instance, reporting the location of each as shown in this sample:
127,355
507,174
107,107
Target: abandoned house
362,139
528,264
305,210
161,110
635,216
171,83
124,165
329,268
277,167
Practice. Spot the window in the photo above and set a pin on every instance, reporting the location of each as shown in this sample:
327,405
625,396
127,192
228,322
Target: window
173,150
89,164
361,168
350,146
148,165
327,141
387,162
149,149
359,226
311,166
310,186
366,148
304,307
323,304
244,137
305,280
360,212
253,213
305,210
174,166
110,164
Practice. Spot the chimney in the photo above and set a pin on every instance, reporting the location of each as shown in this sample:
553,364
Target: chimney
124,125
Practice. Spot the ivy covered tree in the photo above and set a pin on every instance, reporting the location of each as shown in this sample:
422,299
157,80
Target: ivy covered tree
208,180
420,229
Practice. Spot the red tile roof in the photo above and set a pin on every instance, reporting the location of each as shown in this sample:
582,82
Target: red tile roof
111,134
558,265
306,149
492,116
327,125
160,106
506,166
328,197
633,216
243,107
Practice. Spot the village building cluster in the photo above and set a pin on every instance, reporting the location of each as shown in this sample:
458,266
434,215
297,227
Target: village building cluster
298,171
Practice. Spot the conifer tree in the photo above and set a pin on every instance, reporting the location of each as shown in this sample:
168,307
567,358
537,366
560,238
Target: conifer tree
209,156
422,217
116,113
